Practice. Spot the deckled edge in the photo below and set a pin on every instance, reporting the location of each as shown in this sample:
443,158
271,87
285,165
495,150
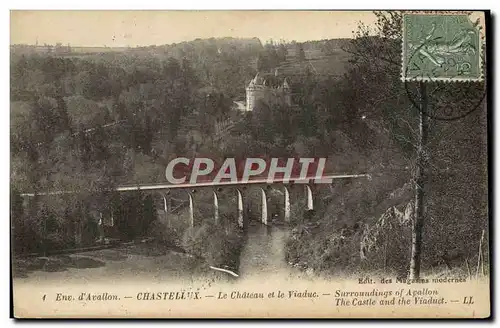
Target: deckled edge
482,47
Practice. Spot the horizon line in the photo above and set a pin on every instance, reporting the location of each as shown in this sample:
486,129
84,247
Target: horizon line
286,41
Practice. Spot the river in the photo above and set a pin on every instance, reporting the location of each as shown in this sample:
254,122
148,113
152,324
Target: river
264,251
263,255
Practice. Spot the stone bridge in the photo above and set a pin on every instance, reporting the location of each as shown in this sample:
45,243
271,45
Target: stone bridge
303,186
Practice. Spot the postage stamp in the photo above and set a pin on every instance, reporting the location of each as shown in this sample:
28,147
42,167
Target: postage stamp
442,47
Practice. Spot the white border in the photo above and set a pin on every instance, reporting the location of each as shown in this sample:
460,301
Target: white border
200,4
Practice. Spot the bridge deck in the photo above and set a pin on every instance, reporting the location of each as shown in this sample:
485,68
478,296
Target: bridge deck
321,180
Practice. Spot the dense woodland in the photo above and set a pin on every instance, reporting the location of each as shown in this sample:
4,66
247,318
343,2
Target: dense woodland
93,121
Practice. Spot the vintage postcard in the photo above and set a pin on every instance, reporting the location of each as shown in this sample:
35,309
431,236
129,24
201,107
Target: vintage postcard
249,164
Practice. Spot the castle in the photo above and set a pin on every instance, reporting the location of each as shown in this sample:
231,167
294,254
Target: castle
268,88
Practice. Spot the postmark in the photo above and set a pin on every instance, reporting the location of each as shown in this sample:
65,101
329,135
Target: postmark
441,101
441,47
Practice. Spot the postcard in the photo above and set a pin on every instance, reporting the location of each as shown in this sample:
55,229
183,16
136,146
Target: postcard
249,164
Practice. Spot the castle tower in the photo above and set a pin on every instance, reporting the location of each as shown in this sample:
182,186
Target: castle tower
254,91
269,90
250,90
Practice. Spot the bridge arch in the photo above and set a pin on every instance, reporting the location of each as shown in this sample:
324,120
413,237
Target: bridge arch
165,203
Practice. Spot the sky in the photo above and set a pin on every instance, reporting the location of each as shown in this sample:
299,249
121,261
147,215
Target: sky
142,28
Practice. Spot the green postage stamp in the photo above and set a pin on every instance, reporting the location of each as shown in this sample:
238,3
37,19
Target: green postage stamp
443,47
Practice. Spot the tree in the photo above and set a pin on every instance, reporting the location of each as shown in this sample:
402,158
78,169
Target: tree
374,89
63,123
271,54
261,63
299,50
281,53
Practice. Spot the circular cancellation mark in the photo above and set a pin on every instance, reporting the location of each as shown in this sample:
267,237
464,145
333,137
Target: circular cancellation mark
446,100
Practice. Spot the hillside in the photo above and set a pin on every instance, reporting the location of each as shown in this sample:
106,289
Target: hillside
333,64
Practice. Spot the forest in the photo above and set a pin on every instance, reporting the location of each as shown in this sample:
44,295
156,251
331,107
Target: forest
95,121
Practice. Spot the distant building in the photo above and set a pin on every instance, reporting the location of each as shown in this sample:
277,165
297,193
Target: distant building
269,88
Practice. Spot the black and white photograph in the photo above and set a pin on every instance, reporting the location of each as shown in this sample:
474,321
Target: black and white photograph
249,164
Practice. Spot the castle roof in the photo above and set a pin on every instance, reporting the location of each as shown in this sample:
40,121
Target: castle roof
257,80
269,80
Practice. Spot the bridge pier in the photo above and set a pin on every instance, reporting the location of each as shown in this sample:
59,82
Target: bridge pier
216,208
165,208
165,204
191,210
309,198
264,215
287,205
239,212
